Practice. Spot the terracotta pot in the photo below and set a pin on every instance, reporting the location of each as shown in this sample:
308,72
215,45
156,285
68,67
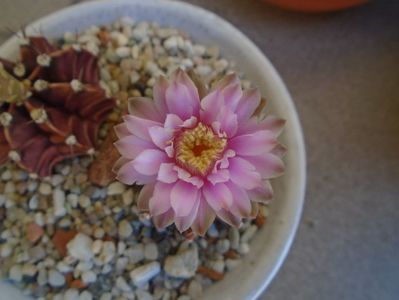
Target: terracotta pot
316,5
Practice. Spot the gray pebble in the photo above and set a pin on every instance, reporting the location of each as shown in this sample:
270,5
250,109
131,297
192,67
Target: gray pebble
182,265
222,246
144,273
15,273
55,278
151,251
45,189
122,284
249,233
85,295
135,253
71,294
143,295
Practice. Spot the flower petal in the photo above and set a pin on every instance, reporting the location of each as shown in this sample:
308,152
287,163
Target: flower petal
243,173
232,95
241,205
210,107
187,177
121,130
253,144
181,77
274,124
149,161
144,197
204,219
178,100
228,121
164,220
159,203
262,194
219,176
127,174
167,173
183,197
172,121
218,196
248,103
160,136
139,126
130,146
268,165
144,108
184,222
228,217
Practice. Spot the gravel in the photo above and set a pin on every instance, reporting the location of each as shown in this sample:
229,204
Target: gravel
63,238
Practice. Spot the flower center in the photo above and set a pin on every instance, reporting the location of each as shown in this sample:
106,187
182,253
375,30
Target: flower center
198,149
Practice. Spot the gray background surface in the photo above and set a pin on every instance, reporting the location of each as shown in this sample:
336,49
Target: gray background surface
343,72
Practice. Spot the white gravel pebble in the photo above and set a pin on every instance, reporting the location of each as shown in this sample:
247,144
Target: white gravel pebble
123,52
184,297
135,253
55,278
182,265
85,295
127,197
143,295
122,284
6,250
29,270
84,201
144,273
108,251
115,188
243,248
59,203
96,246
125,230
33,202
151,251
45,189
15,273
222,246
71,294
106,296
234,237
89,277
80,247
249,233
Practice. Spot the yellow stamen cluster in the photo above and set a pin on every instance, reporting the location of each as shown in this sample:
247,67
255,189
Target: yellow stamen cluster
198,149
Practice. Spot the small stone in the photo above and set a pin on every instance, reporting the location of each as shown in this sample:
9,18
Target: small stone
195,290
15,273
71,294
122,284
63,267
231,264
121,247
143,295
135,253
106,296
84,201
222,246
212,231
42,277
127,197
57,179
217,265
6,175
9,188
59,202
123,52
243,248
55,278
182,265
220,65
203,70
151,251
115,188
45,189
171,43
85,295
249,233
33,202
89,277
99,233
234,237
125,230
61,238
121,264
184,297
6,250
37,253
29,270
33,232
144,273
108,251
96,246
80,247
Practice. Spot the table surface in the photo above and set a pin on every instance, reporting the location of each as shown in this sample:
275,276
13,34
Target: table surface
342,70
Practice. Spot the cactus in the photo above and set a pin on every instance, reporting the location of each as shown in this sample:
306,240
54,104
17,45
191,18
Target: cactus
51,105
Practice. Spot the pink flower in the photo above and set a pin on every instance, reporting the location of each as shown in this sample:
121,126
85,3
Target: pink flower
199,156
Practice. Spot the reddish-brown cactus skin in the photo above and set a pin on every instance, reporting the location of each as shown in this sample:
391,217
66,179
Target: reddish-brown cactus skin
71,116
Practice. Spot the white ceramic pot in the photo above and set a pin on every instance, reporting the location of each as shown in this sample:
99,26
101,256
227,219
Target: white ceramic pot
271,244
